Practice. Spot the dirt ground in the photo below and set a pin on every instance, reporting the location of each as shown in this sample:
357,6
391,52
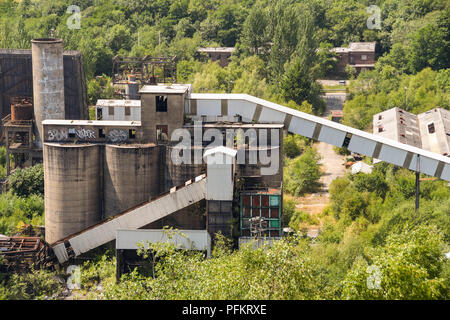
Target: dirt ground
332,167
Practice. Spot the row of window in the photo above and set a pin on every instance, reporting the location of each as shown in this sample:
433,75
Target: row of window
111,111
161,106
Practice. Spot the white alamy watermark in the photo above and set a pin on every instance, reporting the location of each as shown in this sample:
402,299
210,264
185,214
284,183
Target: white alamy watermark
74,20
74,280
374,20
373,281
254,147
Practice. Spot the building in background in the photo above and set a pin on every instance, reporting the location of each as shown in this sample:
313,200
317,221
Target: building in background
221,54
359,55
429,130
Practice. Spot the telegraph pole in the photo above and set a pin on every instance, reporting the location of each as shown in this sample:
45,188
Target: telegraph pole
417,182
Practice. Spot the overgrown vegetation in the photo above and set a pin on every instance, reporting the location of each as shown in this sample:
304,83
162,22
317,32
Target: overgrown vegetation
24,202
27,181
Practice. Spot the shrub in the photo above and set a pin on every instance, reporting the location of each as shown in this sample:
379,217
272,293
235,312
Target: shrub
24,182
303,173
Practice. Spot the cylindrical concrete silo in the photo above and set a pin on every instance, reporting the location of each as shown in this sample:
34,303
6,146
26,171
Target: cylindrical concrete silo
48,82
131,176
72,176
177,174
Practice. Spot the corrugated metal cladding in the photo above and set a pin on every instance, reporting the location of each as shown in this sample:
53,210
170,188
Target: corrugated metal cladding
134,219
16,79
262,111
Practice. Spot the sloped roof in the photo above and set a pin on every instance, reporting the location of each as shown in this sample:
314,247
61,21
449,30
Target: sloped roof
221,149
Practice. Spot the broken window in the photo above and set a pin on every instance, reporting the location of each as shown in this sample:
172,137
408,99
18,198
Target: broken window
127,111
132,133
431,128
101,133
161,133
99,113
161,103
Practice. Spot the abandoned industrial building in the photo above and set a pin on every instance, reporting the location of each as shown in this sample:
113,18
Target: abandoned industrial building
429,130
222,55
116,178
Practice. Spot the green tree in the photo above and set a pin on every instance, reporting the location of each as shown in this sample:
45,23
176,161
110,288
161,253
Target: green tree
254,29
409,267
303,173
298,84
25,182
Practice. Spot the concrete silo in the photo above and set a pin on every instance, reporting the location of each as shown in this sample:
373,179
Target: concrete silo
131,176
72,182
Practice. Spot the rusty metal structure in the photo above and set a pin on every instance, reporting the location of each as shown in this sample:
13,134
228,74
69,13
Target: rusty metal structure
147,70
19,134
24,103
19,254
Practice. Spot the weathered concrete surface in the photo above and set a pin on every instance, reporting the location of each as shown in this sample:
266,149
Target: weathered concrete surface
72,176
131,175
48,82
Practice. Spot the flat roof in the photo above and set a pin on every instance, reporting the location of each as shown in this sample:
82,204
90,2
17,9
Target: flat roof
357,47
238,125
360,65
91,123
118,103
362,46
174,88
406,127
219,49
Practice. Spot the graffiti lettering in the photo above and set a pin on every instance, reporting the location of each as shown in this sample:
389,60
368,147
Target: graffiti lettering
117,135
57,135
85,134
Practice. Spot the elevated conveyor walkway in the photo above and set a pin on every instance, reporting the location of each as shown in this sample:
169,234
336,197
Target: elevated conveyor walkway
257,110
135,218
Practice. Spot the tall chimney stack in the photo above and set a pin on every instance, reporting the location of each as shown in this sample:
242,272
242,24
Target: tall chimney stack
48,82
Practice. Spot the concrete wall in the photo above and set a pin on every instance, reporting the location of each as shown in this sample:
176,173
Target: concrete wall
48,82
173,118
131,173
118,113
72,188
192,217
76,132
178,174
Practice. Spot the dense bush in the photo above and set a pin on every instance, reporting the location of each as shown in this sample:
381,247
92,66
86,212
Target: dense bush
28,181
36,285
15,211
302,173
